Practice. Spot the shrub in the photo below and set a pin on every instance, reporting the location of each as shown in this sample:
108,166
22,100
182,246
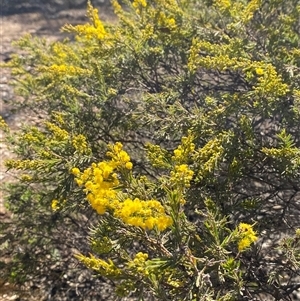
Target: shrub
204,96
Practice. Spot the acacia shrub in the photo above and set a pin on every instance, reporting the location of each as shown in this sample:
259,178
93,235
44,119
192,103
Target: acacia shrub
211,90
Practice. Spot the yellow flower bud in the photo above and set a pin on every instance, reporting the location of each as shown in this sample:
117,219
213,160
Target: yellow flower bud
128,165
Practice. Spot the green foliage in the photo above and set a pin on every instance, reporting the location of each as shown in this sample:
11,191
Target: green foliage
204,96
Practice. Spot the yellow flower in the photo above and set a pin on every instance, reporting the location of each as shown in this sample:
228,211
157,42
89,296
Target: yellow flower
171,23
181,175
80,144
55,205
120,158
26,178
137,3
141,257
247,236
59,134
138,264
223,4
75,171
259,71
101,184
95,30
3,124
144,214
105,268
163,223
128,165
178,153
183,152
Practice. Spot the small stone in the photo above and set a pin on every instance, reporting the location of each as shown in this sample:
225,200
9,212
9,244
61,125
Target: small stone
13,297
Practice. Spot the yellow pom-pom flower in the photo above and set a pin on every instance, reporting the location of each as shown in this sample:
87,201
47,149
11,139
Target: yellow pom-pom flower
247,236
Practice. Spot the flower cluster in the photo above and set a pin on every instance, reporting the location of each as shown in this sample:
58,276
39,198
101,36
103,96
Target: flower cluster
55,205
58,133
250,9
26,178
157,156
210,154
3,124
182,175
138,264
166,22
59,118
119,156
101,182
25,164
102,246
30,138
63,70
193,56
104,268
247,236
95,30
271,83
184,151
145,214
259,71
80,144
137,3
223,4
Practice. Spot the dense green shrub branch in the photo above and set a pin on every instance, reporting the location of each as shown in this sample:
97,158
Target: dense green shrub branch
204,96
